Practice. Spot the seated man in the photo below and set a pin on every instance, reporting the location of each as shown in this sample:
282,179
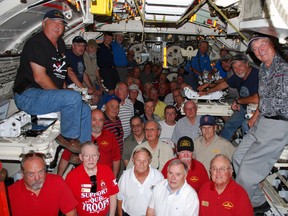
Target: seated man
40,80
222,195
40,193
209,143
197,174
136,183
93,184
173,196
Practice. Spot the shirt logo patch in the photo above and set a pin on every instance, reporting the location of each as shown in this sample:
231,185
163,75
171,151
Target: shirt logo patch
104,143
216,151
228,205
194,179
205,203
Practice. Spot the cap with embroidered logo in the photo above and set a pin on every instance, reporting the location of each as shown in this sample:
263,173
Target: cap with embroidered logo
55,14
207,120
185,144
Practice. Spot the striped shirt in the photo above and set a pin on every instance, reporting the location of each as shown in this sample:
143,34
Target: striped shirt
126,112
115,128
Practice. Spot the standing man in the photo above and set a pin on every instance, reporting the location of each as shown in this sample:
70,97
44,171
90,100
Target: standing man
120,58
93,185
40,80
188,125
31,195
168,125
222,195
133,95
209,143
197,174
159,105
126,111
173,196
263,145
112,121
105,60
106,141
136,184
245,80
90,61
136,138
160,151
149,108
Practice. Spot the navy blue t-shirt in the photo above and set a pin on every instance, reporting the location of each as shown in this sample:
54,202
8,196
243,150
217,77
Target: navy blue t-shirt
246,87
77,64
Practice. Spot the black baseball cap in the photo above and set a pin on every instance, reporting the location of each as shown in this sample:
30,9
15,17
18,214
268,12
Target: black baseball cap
185,143
55,14
79,39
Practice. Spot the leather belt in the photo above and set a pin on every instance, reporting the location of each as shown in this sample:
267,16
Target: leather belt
283,118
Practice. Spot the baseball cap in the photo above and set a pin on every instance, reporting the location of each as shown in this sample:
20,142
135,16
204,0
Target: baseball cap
79,39
185,143
226,57
255,37
133,87
111,97
55,14
92,43
239,57
207,120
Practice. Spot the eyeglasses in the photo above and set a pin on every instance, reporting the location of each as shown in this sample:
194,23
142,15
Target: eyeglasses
93,181
136,126
261,46
150,129
220,169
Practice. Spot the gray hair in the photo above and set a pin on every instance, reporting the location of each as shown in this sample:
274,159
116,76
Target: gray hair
221,156
178,162
156,122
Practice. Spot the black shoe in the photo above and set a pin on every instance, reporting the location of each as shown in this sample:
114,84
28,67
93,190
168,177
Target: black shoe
261,209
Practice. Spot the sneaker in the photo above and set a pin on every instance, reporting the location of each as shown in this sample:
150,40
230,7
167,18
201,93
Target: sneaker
73,145
262,208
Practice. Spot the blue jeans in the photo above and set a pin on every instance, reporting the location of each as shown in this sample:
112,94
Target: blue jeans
233,123
75,114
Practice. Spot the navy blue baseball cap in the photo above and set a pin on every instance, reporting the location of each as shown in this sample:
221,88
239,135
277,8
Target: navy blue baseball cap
111,97
207,120
55,14
79,39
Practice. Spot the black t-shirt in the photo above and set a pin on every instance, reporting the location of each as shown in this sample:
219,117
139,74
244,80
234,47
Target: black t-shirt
40,50
105,57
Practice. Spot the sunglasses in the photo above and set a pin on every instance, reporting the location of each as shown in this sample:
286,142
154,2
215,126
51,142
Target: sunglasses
93,181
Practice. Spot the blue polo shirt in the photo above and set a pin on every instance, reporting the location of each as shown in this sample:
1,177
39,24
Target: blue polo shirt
219,68
120,59
200,63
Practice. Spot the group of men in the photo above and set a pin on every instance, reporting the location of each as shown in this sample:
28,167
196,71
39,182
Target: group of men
91,188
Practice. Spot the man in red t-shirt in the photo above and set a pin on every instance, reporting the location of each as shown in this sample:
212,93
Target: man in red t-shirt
223,196
197,174
39,193
93,185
